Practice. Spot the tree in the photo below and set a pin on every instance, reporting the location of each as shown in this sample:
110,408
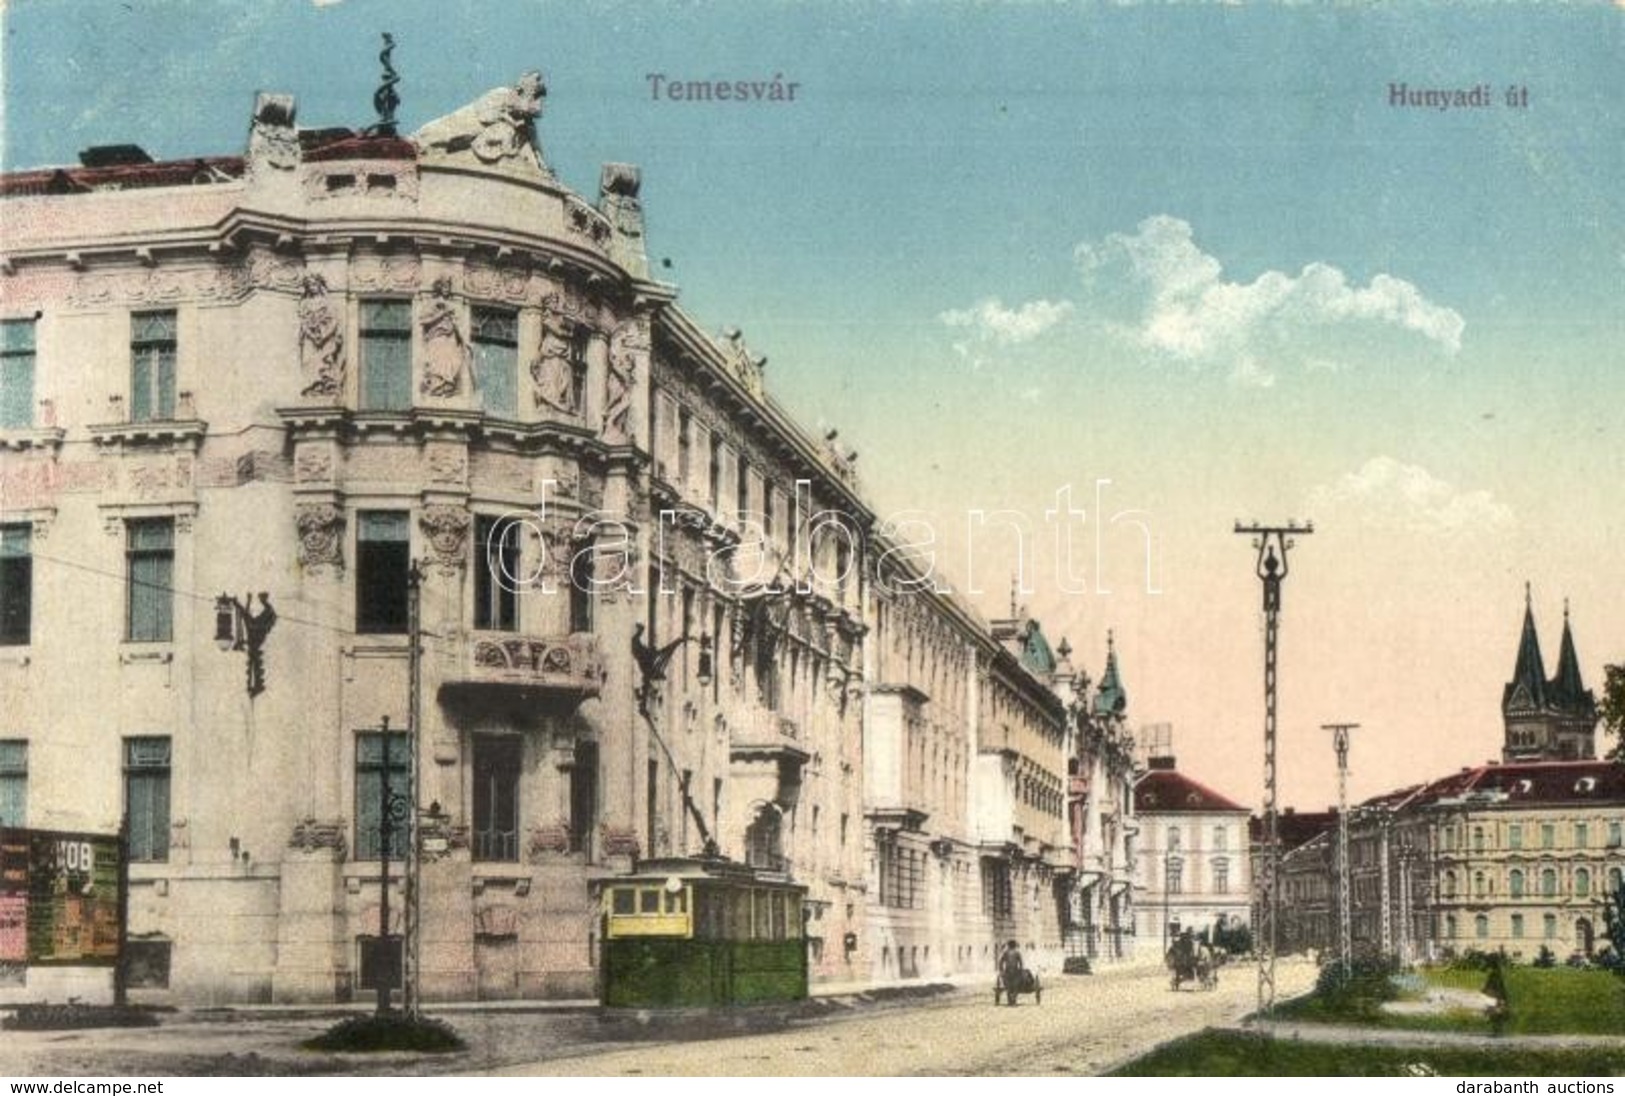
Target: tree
1613,916
1613,709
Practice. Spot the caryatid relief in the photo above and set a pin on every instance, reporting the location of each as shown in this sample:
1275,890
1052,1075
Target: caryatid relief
320,525
445,349
447,530
496,127
553,372
321,341
628,354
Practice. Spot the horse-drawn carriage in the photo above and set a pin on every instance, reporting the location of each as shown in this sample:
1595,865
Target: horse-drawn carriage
1015,979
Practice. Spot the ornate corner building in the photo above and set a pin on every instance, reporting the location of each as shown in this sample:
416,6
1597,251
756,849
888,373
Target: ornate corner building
416,389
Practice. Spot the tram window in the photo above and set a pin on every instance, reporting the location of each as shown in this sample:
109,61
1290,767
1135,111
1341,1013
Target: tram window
677,902
648,901
621,900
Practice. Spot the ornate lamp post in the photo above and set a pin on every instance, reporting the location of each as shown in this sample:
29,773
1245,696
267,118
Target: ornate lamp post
1340,743
236,628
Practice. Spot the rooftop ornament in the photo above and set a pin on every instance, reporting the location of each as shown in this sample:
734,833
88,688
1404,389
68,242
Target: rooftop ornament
384,100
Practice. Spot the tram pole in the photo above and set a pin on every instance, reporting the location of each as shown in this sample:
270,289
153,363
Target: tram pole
1271,543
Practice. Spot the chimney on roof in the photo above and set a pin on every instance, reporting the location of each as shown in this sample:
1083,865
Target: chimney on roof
1161,763
114,156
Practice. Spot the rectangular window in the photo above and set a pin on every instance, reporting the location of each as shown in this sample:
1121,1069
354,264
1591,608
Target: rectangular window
13,782
372,766
152,366
1220,839
383,560
150,571
496,574
1615,833
496,360
1515,835
1221,877
16,374
581,591
1517,926
496,797
146,797
16,585
1549,925
1176,877
1582,835
386,355
998,896
583,796
685,446
742,486
714,473
1548,835
767,512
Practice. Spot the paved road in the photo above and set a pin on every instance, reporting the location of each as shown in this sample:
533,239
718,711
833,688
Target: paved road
1084,1026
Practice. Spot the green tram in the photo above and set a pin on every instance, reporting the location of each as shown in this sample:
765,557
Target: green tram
692,932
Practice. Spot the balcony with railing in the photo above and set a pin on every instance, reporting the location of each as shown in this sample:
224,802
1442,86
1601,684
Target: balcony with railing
568,667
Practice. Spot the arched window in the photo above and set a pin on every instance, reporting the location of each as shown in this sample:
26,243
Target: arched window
1481,926
1478,884
1548,882
1515,882
1450,926
1582,883
1478,838
1450,886
1615,880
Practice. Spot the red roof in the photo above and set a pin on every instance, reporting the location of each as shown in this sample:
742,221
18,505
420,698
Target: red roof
78,180
1166,791
1524,782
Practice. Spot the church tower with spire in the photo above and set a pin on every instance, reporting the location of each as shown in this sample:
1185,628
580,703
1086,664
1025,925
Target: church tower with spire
1547,719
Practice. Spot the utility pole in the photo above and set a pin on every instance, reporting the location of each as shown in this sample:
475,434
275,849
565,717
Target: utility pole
384,968
1340,743
1272,543
414,744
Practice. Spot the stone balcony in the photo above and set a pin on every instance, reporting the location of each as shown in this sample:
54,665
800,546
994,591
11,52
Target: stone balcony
568,667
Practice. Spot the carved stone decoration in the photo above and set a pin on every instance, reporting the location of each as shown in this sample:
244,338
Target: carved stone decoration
552,372
546,840
376,274
744,365
321,525
586,221
321,342
312,835
447,463
628,355
498,127
446,357
559,546
619,840
272,138
618,187
447,530
509,282
313,464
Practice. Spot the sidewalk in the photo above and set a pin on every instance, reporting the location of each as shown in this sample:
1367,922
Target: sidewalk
1374,1036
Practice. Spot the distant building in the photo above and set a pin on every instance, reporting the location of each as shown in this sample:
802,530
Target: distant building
1194,867
1518,854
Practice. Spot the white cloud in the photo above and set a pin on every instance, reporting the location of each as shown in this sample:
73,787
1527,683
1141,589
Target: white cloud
990,321
1185,309
1385,492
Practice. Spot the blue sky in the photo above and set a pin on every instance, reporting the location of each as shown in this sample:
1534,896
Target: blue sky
1012,246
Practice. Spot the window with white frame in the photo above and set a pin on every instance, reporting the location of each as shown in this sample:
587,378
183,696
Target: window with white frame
146,797
16,374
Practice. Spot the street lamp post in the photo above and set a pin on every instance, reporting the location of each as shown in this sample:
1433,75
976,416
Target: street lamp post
1340,743
1272,543
393,807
